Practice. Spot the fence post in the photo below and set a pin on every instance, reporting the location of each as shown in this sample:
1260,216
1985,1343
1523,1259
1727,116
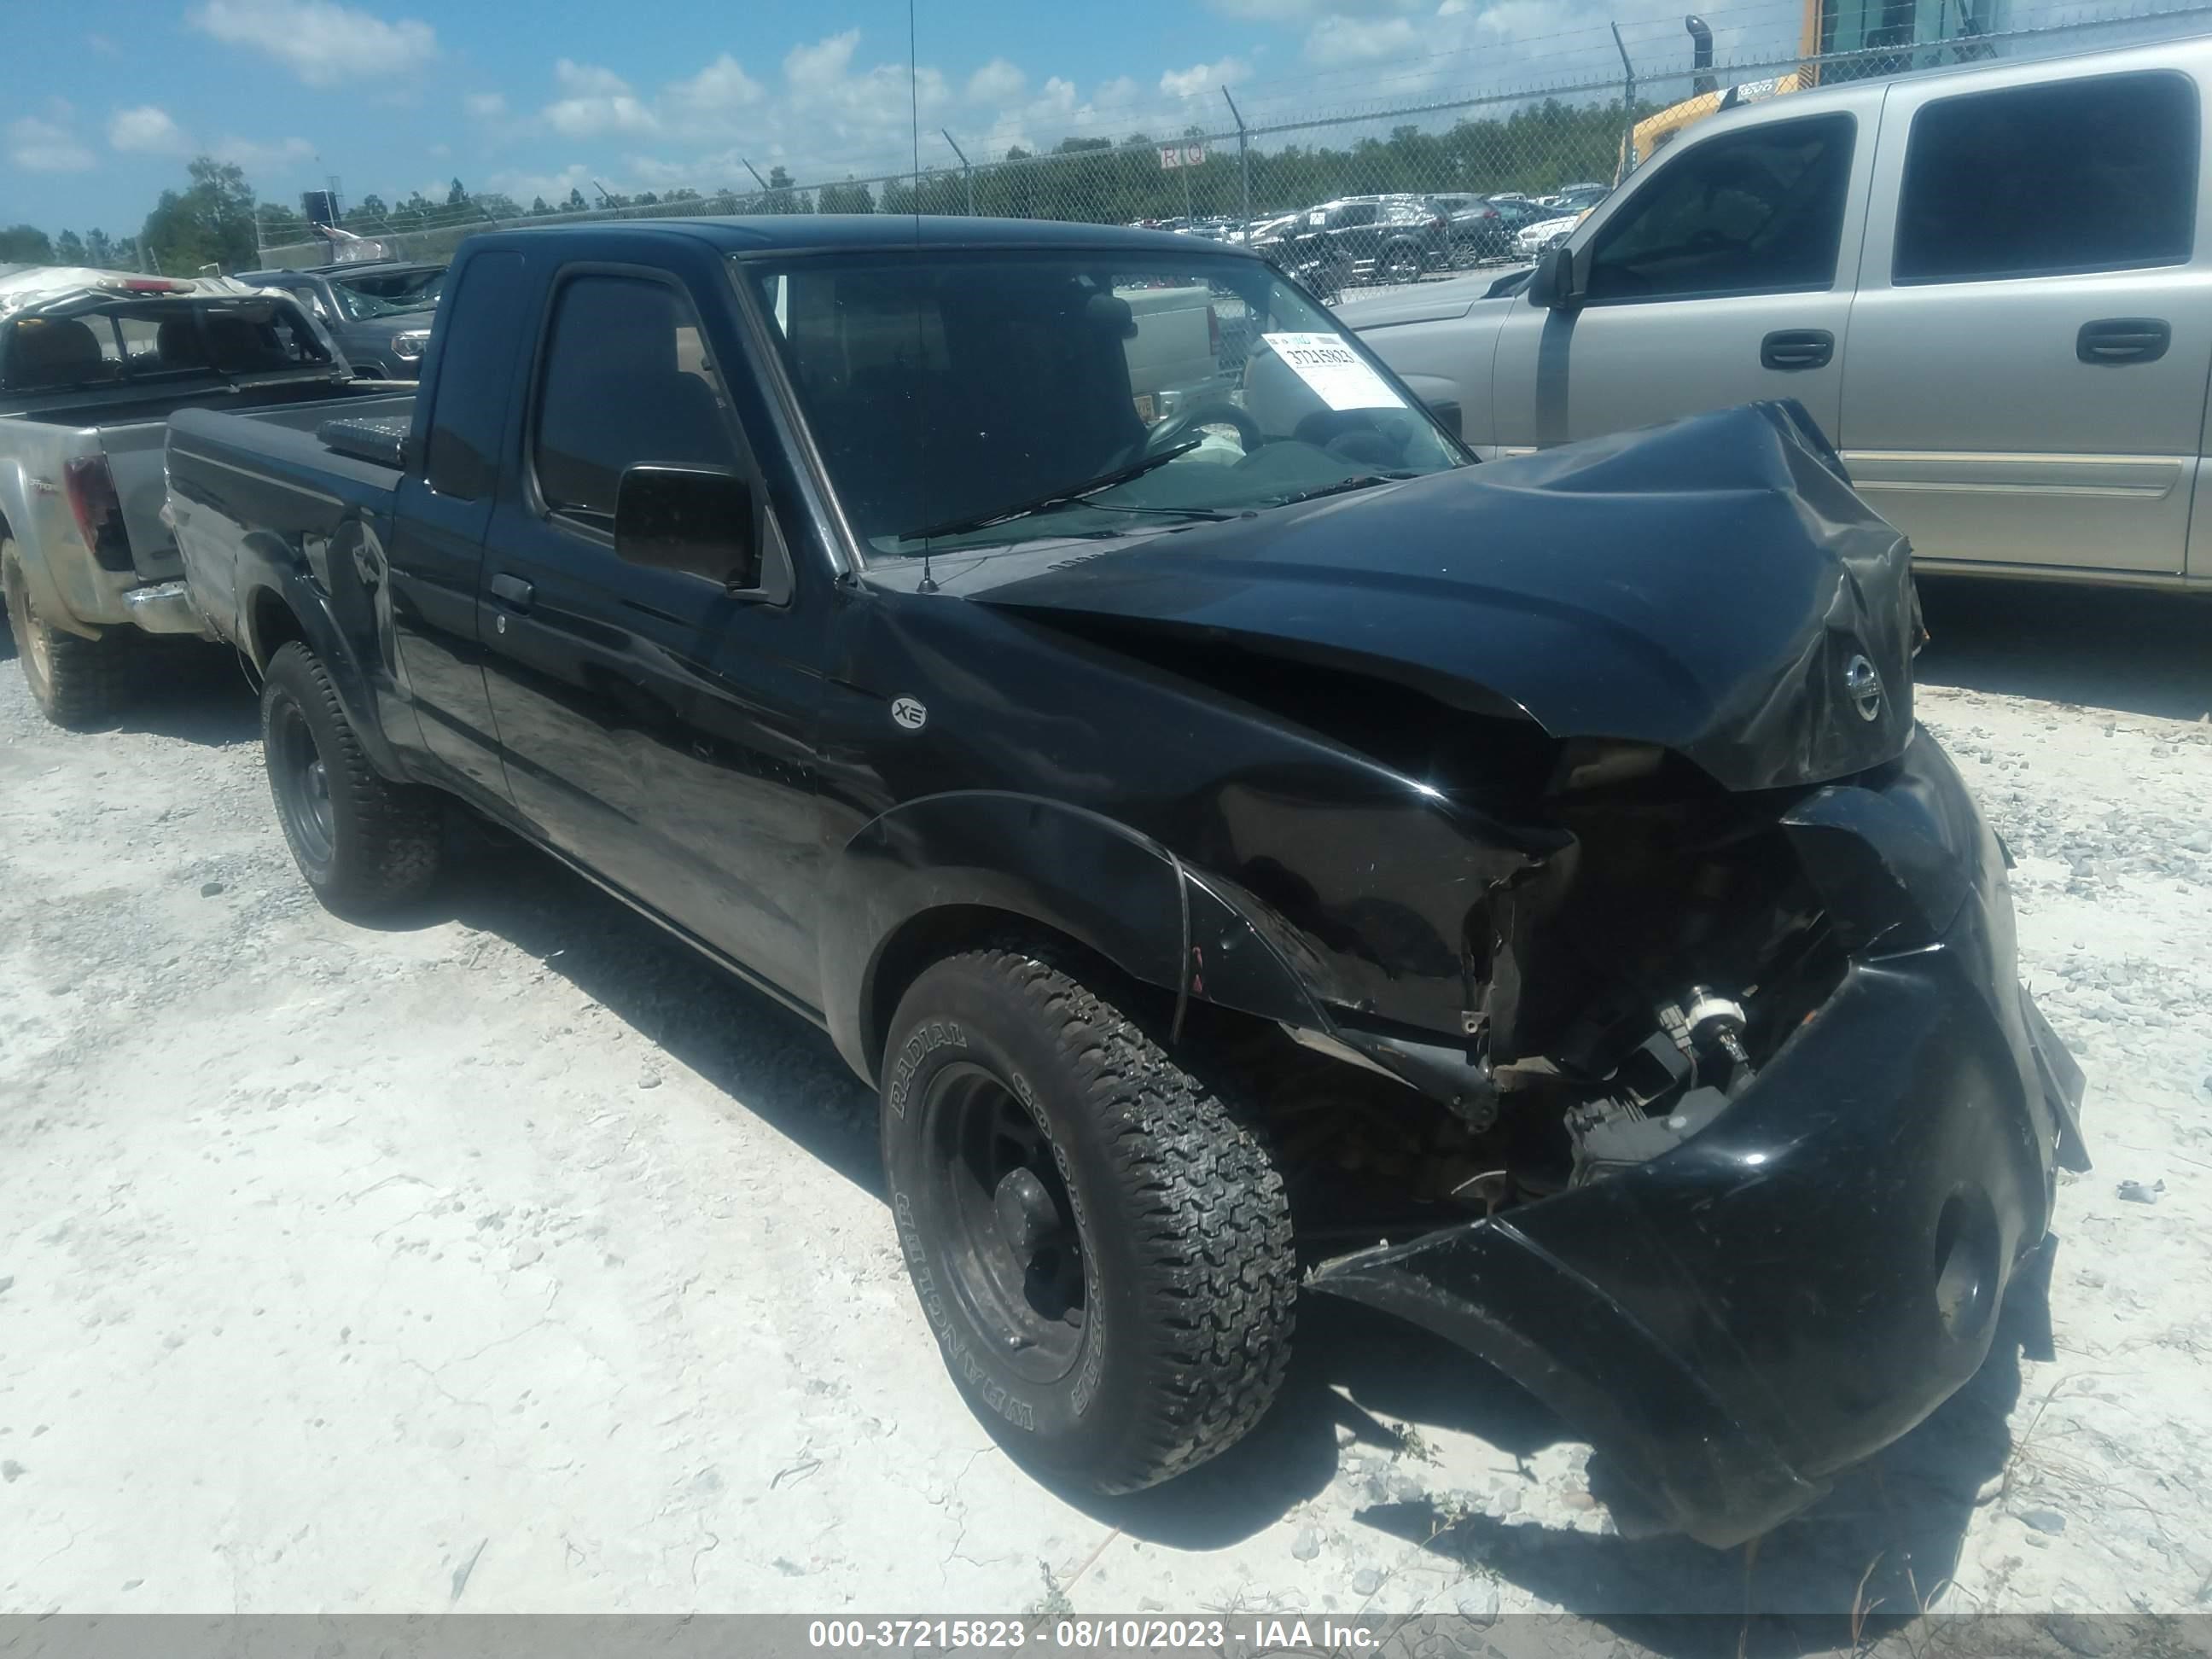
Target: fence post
1627,163
967,169
1243,152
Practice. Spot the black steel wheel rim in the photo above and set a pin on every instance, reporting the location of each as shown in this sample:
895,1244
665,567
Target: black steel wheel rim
1014,1253
302,784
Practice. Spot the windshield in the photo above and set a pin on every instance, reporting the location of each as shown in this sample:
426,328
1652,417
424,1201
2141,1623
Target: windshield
360,307
977,399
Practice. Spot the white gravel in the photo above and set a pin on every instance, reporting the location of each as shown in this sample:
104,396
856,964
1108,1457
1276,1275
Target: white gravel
514,1260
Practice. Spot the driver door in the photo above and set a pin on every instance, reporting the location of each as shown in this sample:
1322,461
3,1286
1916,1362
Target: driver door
1722,275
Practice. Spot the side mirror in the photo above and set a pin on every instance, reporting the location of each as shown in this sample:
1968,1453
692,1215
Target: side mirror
1553,283
682,518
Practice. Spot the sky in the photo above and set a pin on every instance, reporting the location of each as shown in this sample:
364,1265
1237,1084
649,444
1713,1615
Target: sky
533,99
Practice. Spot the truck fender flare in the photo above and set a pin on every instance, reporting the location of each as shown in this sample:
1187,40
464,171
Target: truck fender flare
266,573
1108,887
15,509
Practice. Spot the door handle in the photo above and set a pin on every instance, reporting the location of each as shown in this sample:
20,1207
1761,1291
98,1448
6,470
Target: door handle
513,591
2124,340
1797,348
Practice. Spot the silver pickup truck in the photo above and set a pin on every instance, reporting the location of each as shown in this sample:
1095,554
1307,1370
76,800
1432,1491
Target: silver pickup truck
91,364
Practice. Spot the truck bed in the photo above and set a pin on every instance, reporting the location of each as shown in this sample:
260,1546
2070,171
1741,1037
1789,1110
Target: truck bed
266,471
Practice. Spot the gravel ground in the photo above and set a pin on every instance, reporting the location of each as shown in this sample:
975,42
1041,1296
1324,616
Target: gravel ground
512,1259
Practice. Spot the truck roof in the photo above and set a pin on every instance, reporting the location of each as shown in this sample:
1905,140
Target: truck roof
811,233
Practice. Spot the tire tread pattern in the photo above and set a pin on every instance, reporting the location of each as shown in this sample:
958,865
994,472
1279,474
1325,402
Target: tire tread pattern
396,828
1214,1225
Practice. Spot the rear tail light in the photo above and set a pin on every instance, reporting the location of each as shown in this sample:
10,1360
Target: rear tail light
99,513
1213,331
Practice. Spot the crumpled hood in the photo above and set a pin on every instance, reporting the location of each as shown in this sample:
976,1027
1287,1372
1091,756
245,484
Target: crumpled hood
1705,586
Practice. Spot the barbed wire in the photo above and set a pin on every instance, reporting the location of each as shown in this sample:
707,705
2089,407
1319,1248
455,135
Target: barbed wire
1530,137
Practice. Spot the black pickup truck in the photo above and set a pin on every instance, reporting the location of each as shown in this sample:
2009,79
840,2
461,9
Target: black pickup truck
1257,852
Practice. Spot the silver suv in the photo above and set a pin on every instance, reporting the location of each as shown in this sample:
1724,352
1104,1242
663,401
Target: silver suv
1987,284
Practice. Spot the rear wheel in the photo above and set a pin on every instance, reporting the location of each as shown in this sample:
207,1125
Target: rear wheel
1100,1247
364,843
1401,263
77,683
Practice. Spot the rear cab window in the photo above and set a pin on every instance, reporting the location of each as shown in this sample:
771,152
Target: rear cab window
156,341
2062,178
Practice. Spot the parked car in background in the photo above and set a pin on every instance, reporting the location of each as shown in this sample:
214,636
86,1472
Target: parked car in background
1575,198
1359,238
1518,897
92,362
1488,228
1533,238
2018,387
401,282
383,339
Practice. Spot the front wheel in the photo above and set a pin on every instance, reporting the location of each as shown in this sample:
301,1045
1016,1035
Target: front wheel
1100,1247
365,844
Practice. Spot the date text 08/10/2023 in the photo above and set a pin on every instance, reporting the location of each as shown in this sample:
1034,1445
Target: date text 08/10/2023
1095,1634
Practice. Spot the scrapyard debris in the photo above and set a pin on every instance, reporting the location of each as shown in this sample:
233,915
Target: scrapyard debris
2135,1192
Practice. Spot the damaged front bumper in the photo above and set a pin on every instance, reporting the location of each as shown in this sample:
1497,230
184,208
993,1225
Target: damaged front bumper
1809,1277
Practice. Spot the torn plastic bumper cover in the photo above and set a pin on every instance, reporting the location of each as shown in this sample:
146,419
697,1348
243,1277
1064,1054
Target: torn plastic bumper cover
1806,1279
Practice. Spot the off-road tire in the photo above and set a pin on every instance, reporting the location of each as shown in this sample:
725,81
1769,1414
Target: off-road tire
383,838
78,683
1185,1230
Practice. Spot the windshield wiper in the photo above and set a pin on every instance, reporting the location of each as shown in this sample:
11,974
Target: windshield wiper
1345,486
1059,497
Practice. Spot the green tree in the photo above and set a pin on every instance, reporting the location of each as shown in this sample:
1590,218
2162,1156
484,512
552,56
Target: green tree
209,223
576,201
538,205
99,250
848,198
26,245
280,225
456,197
69,249
494,205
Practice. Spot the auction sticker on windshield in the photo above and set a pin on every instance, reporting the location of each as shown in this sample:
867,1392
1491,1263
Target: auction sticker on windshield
1338,375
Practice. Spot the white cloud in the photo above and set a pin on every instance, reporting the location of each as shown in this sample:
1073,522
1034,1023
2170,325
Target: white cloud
102,44
147,129
598,101
721,87
38,146
997,82
322,42
588,80
1121,89
254,156
823,64
486,106
1338,39
1300,11
1202,78
524,186
441,151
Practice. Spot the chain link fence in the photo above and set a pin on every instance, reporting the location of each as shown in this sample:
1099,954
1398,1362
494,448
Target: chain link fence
1401,191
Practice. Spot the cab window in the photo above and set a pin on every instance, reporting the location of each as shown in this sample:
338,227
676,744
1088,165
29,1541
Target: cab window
626,344
1759,211
2092,174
